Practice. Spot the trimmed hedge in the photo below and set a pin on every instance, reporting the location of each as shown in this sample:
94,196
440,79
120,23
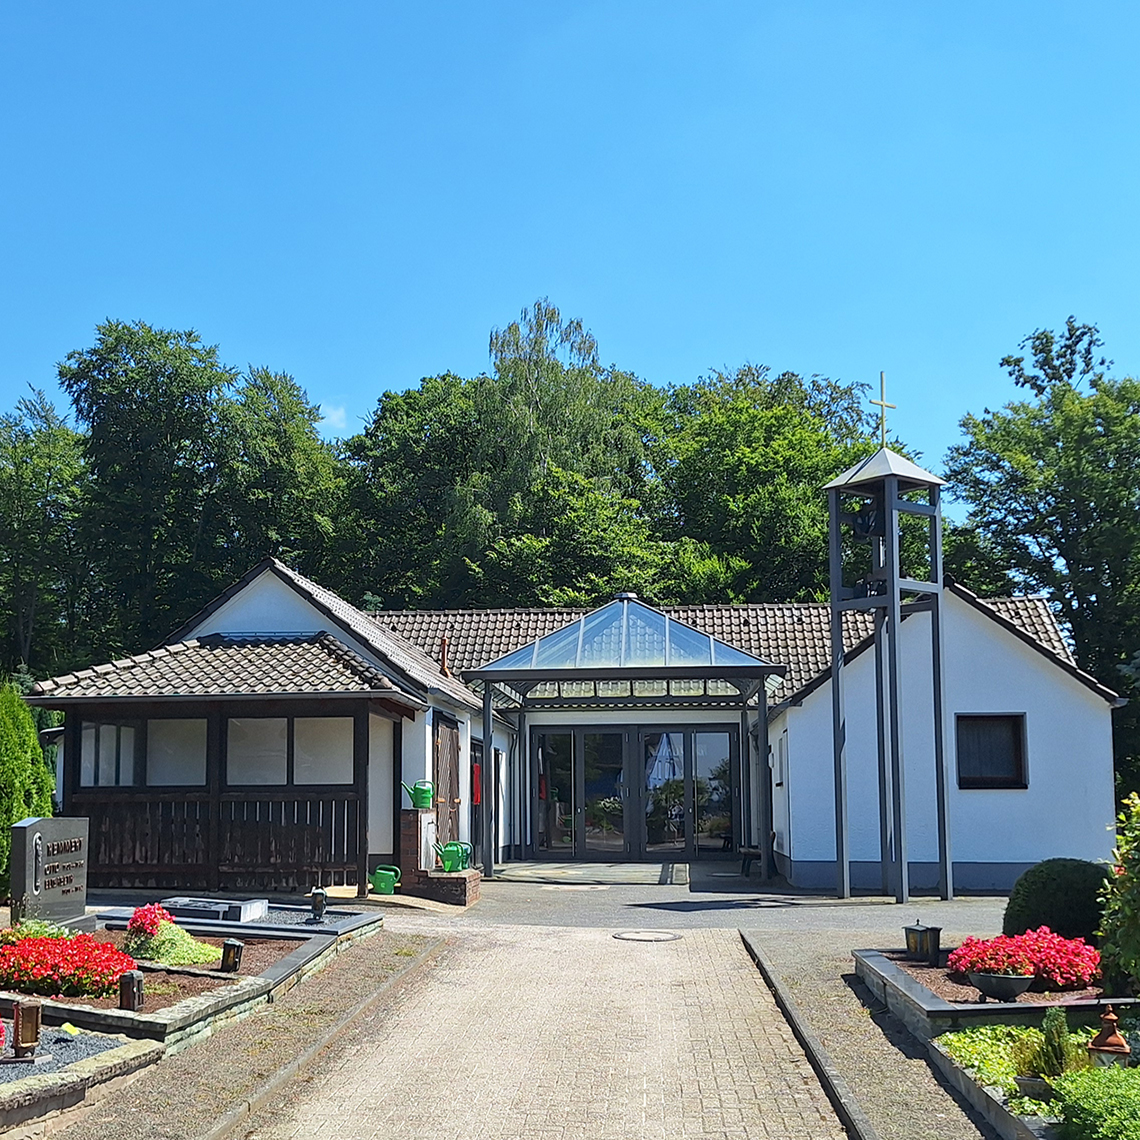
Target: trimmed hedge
1062,894
1099,1104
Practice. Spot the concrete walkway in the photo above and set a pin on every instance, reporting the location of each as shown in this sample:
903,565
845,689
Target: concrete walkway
542,1033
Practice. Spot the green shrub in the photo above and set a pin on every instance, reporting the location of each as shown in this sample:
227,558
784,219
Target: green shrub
25,783
1099,1104
1120,930
988,1051
33,928
172,946
1062,894
1057,1052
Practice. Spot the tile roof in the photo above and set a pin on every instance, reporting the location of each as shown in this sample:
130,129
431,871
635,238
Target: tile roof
229,666
406,657
795,634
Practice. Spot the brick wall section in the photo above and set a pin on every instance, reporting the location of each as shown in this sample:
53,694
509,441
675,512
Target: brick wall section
460,888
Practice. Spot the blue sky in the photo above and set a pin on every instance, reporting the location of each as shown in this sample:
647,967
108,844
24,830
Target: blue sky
357,193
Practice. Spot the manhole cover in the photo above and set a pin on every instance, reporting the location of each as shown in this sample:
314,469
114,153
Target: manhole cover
576,887
647,936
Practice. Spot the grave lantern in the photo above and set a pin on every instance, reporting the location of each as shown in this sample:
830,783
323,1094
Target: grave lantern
1108,1047
231,955
25,1029
319,899
131,995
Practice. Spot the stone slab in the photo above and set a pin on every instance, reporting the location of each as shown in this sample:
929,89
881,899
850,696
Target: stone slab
219,910
49,869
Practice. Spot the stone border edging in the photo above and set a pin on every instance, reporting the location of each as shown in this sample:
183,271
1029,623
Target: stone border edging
926,1015
223,1127
38,1095
999,1118
847,1108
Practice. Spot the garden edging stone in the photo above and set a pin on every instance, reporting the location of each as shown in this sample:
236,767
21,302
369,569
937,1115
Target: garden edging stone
40,1095
847,1107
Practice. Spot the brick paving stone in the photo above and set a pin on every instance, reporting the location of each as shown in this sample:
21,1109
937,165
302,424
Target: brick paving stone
539,1033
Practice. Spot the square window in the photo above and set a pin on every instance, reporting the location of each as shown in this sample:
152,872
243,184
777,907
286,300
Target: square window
322,750
175,752
991,751
257,750
107,755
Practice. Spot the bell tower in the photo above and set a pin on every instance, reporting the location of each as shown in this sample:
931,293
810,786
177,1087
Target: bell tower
866,506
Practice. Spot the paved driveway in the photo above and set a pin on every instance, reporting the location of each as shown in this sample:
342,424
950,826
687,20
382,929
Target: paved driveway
541,1032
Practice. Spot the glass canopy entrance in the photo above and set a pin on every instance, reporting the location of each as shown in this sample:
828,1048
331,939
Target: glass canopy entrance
614,784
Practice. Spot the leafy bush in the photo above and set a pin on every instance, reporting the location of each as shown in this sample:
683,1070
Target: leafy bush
1056,962
1120,930
72,967
1099,1104
25,783
988,1051
33,928
1062,894
154,935
1057,1052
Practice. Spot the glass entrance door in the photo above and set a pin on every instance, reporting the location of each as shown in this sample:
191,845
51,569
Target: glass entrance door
664,807
604,794
633,793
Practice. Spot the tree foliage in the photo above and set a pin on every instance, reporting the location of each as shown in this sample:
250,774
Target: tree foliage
25,783
1053,486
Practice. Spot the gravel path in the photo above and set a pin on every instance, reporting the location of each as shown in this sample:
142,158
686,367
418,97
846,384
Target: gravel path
884,1065
183,1096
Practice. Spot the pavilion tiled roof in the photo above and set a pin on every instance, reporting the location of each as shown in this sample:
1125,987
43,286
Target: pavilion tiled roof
229,666
795,634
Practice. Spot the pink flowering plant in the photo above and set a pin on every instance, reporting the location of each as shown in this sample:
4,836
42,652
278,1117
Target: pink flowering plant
1056,963
147,919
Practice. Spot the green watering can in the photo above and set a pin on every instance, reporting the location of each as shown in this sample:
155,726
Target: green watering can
422,795
384,880
468,855
453,856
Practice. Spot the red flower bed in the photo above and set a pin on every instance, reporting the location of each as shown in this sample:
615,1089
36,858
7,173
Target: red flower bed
71,967
147,919
1060,963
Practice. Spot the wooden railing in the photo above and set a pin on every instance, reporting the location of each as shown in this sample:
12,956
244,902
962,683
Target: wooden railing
192,841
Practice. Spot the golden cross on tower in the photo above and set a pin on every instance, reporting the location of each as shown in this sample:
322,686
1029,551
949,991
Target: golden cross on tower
882,404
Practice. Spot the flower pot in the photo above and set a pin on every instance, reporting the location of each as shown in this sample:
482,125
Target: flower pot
1001,987
1034,1087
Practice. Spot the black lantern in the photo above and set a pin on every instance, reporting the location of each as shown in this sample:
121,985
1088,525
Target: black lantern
923,943
319,900
131,990
231,955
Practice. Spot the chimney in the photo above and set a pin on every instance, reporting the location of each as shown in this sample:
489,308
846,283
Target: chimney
444,670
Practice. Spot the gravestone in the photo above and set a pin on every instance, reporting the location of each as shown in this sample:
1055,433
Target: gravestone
48,870
217,910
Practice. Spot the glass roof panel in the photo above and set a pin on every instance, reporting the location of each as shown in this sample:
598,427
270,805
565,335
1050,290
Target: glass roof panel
624,634
644,637
601,637
559,650
688,646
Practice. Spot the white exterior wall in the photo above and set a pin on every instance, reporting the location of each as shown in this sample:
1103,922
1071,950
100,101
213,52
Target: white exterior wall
380,839
1066,810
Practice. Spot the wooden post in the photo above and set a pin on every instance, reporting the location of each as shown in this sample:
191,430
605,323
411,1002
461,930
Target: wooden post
360,730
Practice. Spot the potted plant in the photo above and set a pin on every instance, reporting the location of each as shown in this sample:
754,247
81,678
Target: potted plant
998,968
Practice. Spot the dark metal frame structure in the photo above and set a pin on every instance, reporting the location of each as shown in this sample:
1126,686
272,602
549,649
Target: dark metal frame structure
879,484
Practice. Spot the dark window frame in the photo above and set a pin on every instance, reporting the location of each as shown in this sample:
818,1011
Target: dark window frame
290,783
1020,780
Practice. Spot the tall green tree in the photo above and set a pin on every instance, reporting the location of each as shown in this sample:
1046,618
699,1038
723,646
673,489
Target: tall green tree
280,484
742,460
26,784
1053,485
150,399
42,571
